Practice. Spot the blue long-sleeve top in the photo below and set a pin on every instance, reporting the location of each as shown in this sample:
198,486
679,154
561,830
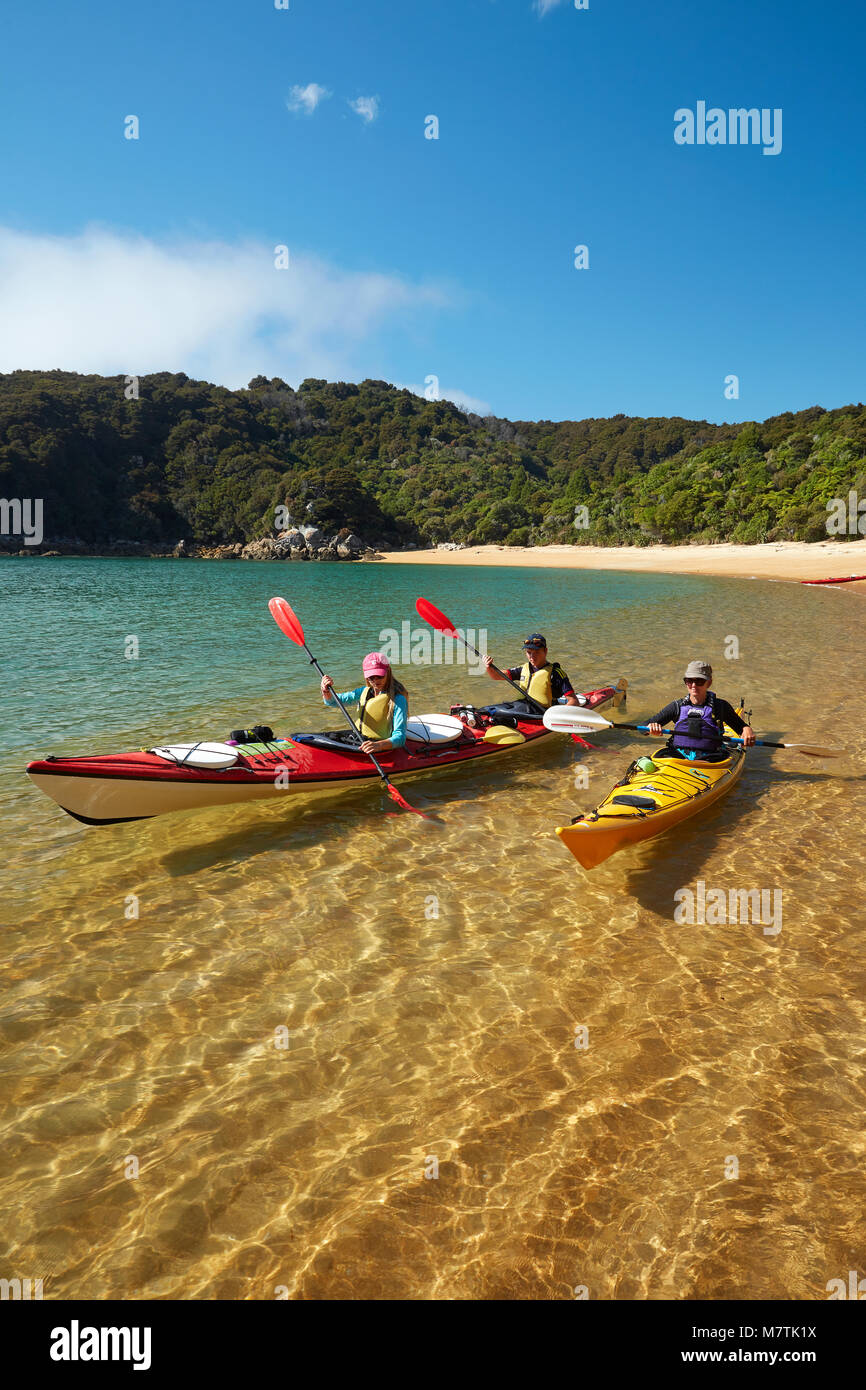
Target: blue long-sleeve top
401,712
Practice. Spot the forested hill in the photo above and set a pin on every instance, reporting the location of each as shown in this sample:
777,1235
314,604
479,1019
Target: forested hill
192,460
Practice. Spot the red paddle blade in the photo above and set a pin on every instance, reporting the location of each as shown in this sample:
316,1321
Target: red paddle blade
434,617
401,801
286,620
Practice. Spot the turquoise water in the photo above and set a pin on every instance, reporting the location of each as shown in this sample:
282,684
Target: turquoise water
414,1032
211,658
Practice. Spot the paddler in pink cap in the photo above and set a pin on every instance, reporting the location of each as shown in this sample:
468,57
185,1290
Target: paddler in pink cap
383,708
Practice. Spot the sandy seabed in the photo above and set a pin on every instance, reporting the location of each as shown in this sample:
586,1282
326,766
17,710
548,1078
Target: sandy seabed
790,560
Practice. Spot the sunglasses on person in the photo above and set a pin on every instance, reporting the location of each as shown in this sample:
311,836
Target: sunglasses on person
534,647
693,680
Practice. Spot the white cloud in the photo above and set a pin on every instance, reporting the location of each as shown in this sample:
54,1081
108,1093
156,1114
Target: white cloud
545,6
307,98
109,303
471,404
366,107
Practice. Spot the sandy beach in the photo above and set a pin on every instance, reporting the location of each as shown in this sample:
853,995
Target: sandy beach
783,560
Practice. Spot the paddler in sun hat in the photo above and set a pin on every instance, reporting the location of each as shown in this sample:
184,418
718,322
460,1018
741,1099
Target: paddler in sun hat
699,718
383,707
545,681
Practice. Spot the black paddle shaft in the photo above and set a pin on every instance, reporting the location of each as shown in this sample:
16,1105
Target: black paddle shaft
519,688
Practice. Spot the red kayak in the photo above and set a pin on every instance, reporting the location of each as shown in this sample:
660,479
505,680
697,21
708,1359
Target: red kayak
107,788
846,579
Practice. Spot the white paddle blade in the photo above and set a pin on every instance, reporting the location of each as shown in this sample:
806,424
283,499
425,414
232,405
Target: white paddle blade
570,719
215,756
433,728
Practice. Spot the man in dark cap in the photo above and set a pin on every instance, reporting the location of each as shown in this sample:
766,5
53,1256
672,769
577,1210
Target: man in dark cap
544,681
699,719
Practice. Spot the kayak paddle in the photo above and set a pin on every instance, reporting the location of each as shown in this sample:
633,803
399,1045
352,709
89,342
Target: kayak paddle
567,719
437,619
812,750
571,719
288,622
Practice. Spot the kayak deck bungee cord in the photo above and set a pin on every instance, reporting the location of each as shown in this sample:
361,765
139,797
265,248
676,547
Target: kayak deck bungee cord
646,803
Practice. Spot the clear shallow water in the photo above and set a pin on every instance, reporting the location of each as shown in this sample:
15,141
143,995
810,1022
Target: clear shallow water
413,1036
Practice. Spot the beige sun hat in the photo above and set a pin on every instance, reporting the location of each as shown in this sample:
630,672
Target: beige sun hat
699,670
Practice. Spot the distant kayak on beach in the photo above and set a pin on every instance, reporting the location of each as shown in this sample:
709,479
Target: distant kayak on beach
844,579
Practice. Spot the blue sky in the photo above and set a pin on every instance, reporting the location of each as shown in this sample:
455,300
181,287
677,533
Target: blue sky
452,258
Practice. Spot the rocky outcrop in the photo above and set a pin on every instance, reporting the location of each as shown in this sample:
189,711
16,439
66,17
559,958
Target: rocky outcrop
220,552
350,547
313,538
264,549
301,543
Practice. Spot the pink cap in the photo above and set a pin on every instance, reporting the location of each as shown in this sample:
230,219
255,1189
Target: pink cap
376,664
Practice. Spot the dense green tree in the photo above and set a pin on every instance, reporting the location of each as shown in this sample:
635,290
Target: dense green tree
195,460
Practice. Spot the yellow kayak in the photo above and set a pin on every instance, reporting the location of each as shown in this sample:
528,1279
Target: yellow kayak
644,804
